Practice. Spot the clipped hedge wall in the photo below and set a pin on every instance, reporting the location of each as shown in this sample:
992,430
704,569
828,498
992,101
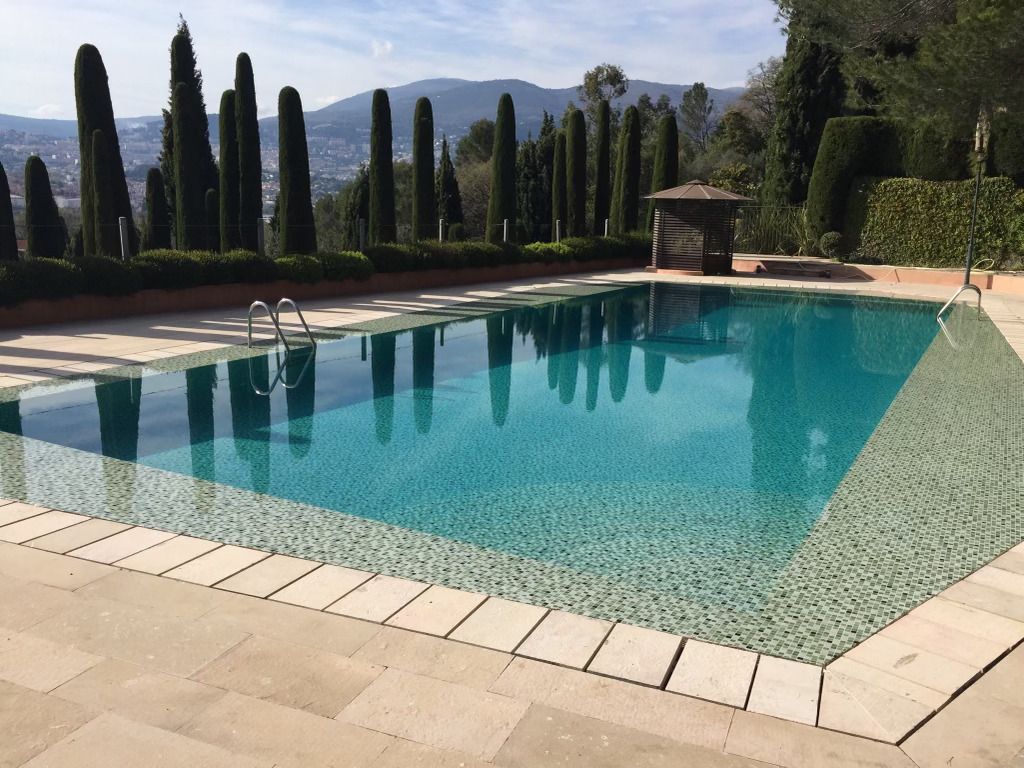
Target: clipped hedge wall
169,269
910,222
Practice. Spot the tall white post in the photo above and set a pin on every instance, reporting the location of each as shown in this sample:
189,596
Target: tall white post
261,236
504,232
440,230
122,223
606,227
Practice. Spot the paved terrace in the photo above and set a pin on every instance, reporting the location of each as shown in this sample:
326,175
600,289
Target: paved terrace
108,665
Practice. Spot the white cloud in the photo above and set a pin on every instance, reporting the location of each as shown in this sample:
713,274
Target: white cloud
323,101
47,110
320,47
381,48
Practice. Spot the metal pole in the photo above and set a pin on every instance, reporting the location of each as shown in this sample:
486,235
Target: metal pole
558,230
122,223
974,221
504,232
440,230
606,227
261,237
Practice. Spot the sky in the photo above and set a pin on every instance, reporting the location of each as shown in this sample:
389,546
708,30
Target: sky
330,50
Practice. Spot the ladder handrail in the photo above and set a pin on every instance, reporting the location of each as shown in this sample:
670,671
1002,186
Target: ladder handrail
275,318
942,323
302,319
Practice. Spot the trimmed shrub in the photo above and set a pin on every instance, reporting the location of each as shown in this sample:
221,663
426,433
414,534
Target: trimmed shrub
189,184
830,243
106,227
229,195
297,231
850,147
8,238
424,202
47,236
158,220
602,172
576,174
382,172
666,163
38,279
239,266
299,268
559,205
911,222
347,265
930,153
108,277
250,166
626,193
172,269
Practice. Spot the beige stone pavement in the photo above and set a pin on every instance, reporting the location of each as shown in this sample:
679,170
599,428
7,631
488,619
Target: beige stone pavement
101,666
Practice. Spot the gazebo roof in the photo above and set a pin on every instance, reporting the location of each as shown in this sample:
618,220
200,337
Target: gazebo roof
697,190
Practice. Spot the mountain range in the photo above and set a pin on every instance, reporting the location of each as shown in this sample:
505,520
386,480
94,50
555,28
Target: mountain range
457,103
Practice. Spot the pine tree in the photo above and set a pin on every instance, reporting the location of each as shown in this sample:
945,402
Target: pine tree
602,185
229,196
424,205
47,237
190,205
298,234
8,237
92,100
449,199
810,90
105,226
250,167
666,161
158,218
502,202
212,209
626,194
382,171
576,174
559,208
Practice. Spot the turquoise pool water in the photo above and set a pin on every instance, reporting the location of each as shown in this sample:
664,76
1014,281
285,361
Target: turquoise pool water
682,439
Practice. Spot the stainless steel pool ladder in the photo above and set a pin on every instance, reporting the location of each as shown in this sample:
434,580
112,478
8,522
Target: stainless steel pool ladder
275,318
945,307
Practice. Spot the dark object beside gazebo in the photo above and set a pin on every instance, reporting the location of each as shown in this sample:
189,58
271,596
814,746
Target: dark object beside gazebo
694,226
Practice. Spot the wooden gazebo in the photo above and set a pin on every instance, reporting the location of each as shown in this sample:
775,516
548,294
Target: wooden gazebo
694,226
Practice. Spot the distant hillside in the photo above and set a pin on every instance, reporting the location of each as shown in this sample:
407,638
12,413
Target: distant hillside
457,104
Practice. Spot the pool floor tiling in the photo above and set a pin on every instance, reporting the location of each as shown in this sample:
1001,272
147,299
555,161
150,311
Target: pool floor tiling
933,494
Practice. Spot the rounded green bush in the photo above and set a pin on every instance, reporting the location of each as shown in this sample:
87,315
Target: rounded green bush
300,269
830,244
108,277
347,265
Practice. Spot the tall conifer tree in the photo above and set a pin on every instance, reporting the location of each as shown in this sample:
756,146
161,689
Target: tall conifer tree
250,166
576,174
502,203
559,207
424,204
666,161
626,194
449,198
810,90
8,237
602,172
92,101
47,237
382,171
297,231
106,227
158,220
190,192
229,195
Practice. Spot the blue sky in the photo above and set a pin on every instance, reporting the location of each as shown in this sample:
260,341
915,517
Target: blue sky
329,50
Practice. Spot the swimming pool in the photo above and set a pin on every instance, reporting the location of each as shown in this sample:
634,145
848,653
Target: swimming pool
664,450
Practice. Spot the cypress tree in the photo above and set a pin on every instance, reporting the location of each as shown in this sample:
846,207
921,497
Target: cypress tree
626,194
212,210
158,217
576,174
46,235
424,205
297,232
250,167
105,226
357,207
229,196
602,185
382,171
559,211
810,90
8,237
185,69
502,202
189,190
92,101
449,198
666,161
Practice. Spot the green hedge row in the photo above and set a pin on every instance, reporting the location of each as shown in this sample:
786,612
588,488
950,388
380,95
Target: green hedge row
911,222
167,269
59,278
428,255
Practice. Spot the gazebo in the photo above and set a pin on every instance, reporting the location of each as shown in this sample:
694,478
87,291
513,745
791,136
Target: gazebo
694,227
